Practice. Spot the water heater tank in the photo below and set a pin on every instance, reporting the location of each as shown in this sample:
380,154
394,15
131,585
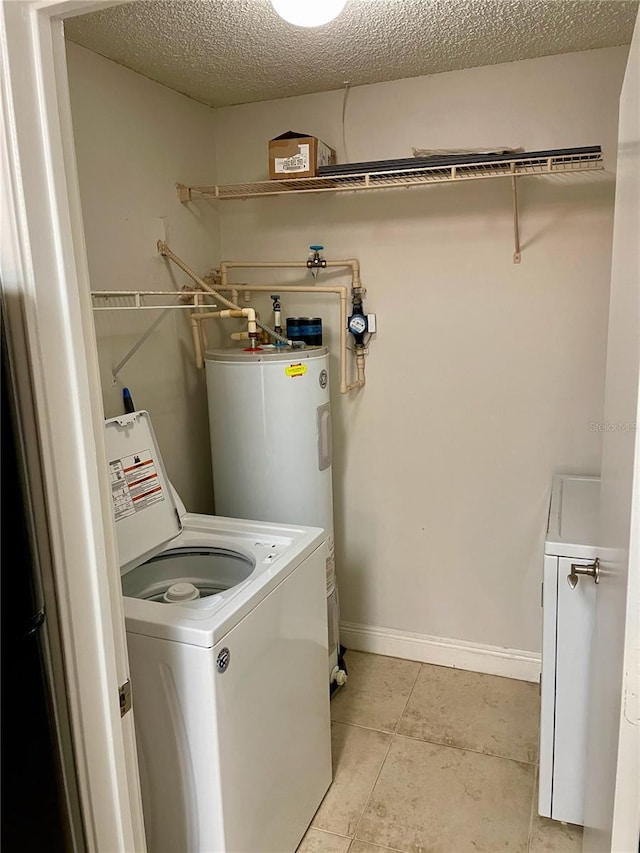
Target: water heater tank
270,426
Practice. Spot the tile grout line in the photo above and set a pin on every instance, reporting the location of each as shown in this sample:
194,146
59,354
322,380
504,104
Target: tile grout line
362,726
384,760
406,704
355,840
469,749
329,832
375,782
395,732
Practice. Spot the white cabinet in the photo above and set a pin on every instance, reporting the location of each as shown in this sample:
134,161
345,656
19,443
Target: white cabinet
568,614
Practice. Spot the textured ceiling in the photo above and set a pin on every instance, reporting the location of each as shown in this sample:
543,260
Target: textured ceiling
225,52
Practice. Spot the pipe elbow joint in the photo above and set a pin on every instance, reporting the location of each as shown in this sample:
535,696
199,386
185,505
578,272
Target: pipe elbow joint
250,314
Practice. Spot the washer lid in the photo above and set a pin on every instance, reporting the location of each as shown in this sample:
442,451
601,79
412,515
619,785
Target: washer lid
142,500
573,517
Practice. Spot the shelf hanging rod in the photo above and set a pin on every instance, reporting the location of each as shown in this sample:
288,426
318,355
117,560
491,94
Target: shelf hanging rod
517,255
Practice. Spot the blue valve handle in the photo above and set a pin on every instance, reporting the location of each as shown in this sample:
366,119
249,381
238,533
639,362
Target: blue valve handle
316,248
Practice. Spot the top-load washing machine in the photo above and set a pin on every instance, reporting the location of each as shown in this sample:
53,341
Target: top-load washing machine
226,625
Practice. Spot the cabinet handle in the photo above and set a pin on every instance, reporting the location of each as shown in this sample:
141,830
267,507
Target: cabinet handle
592,569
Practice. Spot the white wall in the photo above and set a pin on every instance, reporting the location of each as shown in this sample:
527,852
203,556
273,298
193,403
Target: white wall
485,376
134,140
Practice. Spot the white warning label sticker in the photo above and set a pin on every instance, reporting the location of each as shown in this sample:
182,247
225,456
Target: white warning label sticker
134,484
296,163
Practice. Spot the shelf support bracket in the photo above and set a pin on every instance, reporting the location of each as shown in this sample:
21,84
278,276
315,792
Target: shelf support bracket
184,193
516,220
134,349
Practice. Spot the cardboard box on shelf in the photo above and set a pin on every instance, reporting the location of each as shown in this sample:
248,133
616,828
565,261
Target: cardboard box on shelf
297,155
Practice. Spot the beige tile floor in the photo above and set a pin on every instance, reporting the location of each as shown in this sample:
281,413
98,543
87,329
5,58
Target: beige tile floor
428,759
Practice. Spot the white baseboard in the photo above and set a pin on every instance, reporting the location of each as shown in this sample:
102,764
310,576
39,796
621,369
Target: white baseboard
492,660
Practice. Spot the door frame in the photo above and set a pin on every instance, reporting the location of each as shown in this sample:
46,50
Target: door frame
612,798
46,296
47,305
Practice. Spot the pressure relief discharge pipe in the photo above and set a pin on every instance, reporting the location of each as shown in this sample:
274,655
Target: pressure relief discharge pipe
251,334
166,252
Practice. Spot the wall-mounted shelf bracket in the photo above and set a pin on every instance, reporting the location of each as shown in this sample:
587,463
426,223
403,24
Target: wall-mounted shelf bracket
184,192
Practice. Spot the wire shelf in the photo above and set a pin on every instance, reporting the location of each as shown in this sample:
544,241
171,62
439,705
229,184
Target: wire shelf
561,163
148,300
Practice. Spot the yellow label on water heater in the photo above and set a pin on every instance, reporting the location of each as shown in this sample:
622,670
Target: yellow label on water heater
295,369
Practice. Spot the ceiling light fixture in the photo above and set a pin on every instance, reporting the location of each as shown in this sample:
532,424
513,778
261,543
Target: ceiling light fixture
308,13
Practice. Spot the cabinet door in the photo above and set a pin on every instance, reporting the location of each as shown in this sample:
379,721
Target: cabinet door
548,684
574,627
